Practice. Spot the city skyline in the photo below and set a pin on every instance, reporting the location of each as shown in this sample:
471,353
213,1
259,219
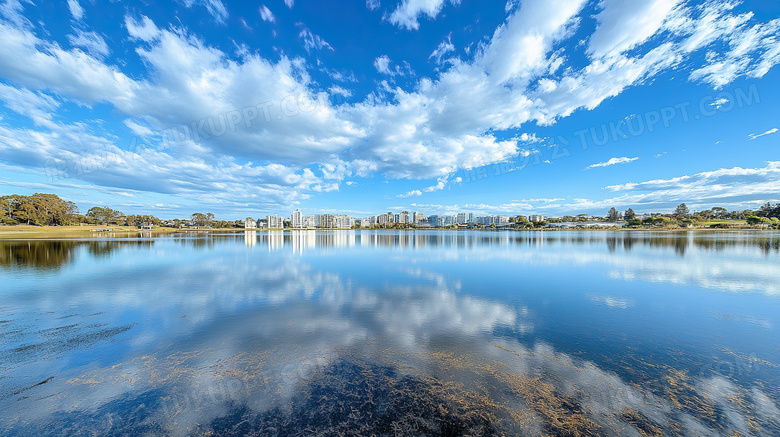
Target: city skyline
502,108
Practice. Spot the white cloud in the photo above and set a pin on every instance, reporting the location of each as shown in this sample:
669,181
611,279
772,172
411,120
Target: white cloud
145,29
340,91
138,129
613,161
382,65
340,75
289,3
312,41
443,48
624,24
405,16
769,132
719,102
752,49
440,184
726,185
266,14
38,107
216,8
412,193
520,75
372,4
76,10
93,43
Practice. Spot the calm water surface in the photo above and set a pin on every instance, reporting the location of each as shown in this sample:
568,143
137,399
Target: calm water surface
392,333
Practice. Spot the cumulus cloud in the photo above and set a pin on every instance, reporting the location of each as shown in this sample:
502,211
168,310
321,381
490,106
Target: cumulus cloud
261,110
382,64
405,16
613,161
412,193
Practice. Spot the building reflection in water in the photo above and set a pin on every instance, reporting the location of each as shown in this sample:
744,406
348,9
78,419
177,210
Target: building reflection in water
275,240
250,238
303,240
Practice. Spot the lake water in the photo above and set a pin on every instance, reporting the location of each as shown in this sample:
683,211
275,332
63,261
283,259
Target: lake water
392,333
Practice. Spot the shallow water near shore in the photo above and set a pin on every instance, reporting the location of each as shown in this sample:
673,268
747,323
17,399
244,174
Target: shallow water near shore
392,333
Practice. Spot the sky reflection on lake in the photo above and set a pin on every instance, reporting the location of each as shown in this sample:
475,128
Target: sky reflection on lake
609,333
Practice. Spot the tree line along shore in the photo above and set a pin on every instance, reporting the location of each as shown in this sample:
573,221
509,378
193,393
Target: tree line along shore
44,214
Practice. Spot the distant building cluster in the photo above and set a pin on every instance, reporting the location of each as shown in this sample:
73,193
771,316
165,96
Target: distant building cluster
340,221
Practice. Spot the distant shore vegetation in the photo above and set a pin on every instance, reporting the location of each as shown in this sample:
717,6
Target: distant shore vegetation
42,209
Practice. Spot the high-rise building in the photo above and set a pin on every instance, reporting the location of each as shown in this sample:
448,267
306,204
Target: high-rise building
296,219
464,217
274,222
327,221
385,219
404,217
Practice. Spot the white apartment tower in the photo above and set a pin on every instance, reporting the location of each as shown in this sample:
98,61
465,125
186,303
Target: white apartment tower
296,219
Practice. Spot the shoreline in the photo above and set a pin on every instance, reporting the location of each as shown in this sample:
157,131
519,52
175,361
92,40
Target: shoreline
16,232
10,232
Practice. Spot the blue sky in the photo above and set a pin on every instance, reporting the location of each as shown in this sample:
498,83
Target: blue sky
439,106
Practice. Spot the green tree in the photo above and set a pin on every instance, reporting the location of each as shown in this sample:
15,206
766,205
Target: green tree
613,215
634,222
629,214
757,220
719,212
5,211
769,210
199,218
39,209
104,215
658,221
682,211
